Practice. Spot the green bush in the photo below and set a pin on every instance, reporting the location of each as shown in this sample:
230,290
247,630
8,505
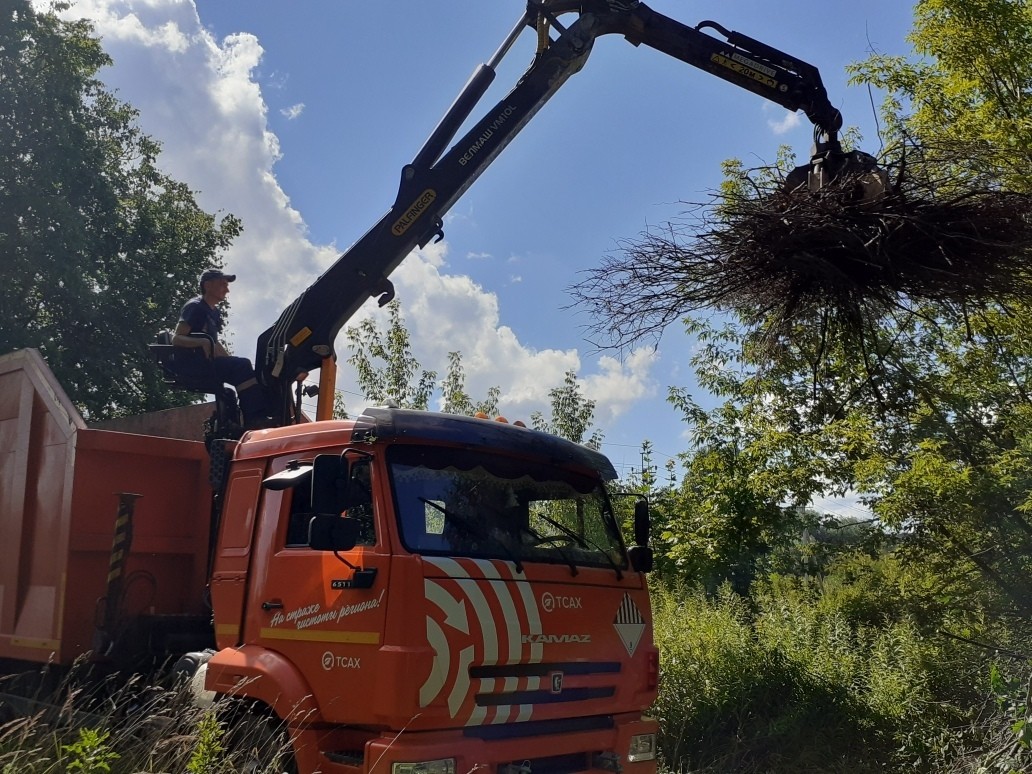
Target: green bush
707,657
890,672
731,702
90,753
792,681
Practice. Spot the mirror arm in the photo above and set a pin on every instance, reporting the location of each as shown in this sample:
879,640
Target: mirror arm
345,561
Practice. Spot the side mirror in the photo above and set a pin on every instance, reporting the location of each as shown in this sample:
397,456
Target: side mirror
641,558
640,554
329,484
642,522
332,532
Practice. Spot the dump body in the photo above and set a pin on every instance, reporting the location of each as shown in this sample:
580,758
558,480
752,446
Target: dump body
60,483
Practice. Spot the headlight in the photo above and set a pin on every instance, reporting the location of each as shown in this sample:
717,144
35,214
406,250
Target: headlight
442,766
642,748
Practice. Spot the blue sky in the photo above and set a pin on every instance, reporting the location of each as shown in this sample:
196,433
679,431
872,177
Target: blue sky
298,116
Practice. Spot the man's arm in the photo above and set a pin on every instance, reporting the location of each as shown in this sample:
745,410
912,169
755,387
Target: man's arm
182,338
194,318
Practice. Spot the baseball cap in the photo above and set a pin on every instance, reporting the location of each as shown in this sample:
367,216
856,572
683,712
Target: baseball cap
214,274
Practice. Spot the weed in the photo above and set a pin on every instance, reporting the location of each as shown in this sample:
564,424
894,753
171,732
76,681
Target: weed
210,750
90,753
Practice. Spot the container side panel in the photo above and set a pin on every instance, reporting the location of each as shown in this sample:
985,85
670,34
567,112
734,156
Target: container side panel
37,614
35,456
184,422
164,569
13,466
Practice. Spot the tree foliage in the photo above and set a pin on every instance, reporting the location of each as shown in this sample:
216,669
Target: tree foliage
925,415
387,370
98,248
383,360
965,94
571,414
457,400
741,500
946,395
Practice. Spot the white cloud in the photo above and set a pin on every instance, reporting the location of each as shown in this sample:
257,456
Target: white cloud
198,96
149,24
620,383
294,111
785,123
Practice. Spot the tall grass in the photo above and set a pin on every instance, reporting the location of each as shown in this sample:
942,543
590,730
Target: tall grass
731,702
135,729
788,681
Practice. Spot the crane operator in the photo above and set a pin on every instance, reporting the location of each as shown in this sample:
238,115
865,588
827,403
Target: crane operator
201,315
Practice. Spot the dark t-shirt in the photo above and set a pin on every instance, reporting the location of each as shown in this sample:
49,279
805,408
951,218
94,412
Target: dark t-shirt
202,318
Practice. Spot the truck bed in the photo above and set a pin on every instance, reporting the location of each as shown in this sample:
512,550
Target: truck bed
60,487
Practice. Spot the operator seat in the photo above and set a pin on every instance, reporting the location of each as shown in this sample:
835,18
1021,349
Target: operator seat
188,369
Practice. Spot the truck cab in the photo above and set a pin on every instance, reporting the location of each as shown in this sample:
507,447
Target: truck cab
414,591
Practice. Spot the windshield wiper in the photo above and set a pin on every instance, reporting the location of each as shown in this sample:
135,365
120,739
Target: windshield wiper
583,542
540,540
473,530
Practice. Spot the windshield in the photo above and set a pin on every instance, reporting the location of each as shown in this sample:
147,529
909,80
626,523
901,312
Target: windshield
463,503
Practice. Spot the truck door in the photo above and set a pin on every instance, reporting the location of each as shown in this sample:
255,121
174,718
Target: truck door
311,606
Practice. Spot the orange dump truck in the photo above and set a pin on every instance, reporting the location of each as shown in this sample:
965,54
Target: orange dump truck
407,591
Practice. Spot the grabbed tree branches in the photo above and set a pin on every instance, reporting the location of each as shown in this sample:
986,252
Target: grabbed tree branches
781,258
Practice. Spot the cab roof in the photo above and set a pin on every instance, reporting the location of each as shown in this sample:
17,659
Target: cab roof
384,423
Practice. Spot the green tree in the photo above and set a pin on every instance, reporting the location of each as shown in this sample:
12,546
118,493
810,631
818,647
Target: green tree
964,96
456,399
947,396
383,360
926,415
388,371
929,426
572,414
740,502
98,248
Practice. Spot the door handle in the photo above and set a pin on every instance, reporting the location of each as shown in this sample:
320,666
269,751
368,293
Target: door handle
272,605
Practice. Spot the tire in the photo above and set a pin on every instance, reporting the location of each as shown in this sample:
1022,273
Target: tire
260,744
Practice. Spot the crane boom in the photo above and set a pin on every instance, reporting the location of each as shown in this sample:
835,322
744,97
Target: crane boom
302,338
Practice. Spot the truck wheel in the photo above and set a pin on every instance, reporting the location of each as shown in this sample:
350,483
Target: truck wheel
189,671
261,744
7,714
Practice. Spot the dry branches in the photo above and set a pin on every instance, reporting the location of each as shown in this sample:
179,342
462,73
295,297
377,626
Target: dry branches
779,259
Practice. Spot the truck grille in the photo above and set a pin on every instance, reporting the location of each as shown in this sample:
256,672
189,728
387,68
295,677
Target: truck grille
545,668
558,682
542,697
